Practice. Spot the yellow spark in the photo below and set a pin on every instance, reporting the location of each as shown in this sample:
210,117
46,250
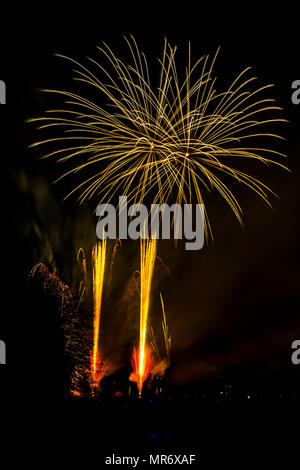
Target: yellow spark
98,260
142,359
175,140
167,335
148,253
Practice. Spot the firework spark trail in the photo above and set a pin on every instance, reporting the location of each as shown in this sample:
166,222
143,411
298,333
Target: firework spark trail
81,257
52,286
84,283
162,362
167,339
148,253
180,137
116,247
167,335
142,360
98,261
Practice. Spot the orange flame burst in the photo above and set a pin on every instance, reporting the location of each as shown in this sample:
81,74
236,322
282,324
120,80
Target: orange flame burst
141,371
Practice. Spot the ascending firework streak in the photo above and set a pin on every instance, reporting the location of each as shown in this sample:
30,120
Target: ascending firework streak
175,139
98,260
142,360
83,284
162,358
167,335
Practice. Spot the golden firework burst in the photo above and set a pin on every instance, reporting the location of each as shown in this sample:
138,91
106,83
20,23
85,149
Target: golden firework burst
171,140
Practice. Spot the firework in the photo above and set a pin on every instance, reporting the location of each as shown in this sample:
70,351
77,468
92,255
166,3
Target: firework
82,345
53,287
116,247
142,363
83,284
81,257
98,261
167,335
83,336
163,358
162,362
142,360
174,138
